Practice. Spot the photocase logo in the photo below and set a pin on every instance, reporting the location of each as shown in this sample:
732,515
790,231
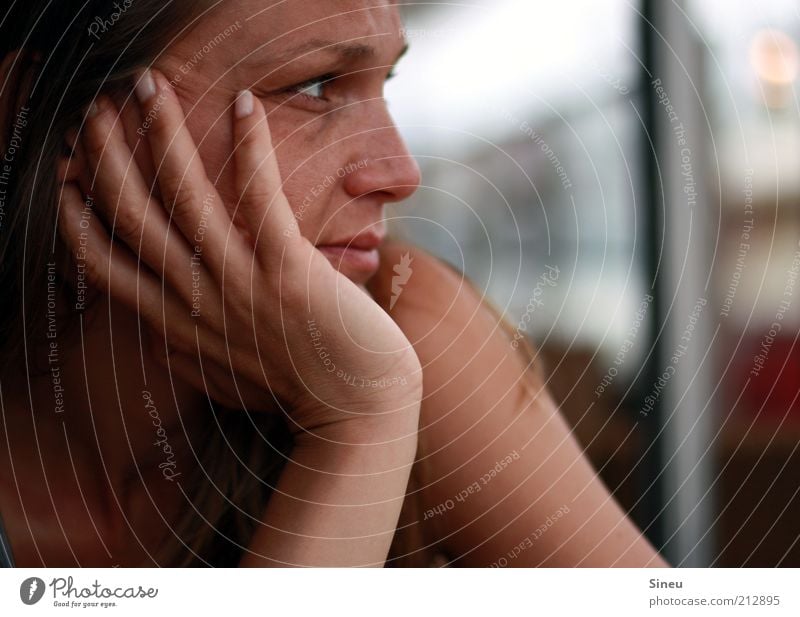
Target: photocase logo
31,590
402,273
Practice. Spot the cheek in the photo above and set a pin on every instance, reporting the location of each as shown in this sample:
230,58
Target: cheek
310,190
308,169
301,183
309,173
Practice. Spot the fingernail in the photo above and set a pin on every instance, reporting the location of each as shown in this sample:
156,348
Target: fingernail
146,86
244,104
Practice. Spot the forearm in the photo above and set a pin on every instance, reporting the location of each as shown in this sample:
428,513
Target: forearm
338,500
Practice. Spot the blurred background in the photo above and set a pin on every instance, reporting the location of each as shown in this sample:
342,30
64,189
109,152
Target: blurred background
649,150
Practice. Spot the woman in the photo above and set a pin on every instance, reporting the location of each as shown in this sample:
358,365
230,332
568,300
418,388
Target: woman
213,356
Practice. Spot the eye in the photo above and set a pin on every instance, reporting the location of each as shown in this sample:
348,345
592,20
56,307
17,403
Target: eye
313,88
316,93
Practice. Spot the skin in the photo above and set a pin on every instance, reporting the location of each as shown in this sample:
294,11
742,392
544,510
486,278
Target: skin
482,401
113,507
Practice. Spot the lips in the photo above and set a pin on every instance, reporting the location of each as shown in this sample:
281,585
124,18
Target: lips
356,257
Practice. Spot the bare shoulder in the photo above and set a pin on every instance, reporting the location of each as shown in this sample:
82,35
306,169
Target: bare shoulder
426,294
411,279
476,385
496,458
463,343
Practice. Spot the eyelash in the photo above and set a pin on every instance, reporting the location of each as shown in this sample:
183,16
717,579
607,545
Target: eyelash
323,80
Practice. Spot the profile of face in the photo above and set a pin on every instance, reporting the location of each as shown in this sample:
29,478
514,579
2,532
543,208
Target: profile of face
319,68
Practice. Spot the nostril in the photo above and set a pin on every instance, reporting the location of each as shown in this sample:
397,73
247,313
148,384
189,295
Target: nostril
394,177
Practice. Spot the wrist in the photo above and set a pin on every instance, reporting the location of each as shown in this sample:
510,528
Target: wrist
360,419
373,443
365,397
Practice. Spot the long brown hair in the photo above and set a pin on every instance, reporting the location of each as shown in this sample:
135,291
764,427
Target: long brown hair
56,58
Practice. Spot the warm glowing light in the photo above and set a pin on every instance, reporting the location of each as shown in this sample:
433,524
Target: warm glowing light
775,57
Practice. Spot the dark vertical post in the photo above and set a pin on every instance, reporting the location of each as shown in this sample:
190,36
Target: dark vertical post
650,514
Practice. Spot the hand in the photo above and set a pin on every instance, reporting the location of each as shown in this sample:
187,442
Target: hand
253,302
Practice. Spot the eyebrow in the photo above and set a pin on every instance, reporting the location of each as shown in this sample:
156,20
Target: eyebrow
347,50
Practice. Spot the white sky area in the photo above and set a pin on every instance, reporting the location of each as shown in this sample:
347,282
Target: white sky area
732,19
470,58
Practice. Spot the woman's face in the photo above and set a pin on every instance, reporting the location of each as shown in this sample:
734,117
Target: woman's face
319,68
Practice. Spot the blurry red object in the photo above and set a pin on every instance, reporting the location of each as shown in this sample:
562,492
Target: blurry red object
774,374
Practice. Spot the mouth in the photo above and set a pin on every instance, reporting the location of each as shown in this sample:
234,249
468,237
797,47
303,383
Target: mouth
356,257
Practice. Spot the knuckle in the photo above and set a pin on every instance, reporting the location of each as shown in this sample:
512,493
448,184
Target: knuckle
258,193
177,190
234,289
128,225
184,201
238,299
94,272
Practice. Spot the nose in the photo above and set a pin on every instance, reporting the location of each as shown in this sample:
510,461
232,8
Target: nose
382,166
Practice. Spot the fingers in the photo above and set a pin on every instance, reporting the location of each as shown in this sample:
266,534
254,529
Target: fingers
262,202
124,200
204,363
204,377
187,193
109,267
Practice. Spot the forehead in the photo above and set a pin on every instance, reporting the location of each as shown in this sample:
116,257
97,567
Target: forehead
276,24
